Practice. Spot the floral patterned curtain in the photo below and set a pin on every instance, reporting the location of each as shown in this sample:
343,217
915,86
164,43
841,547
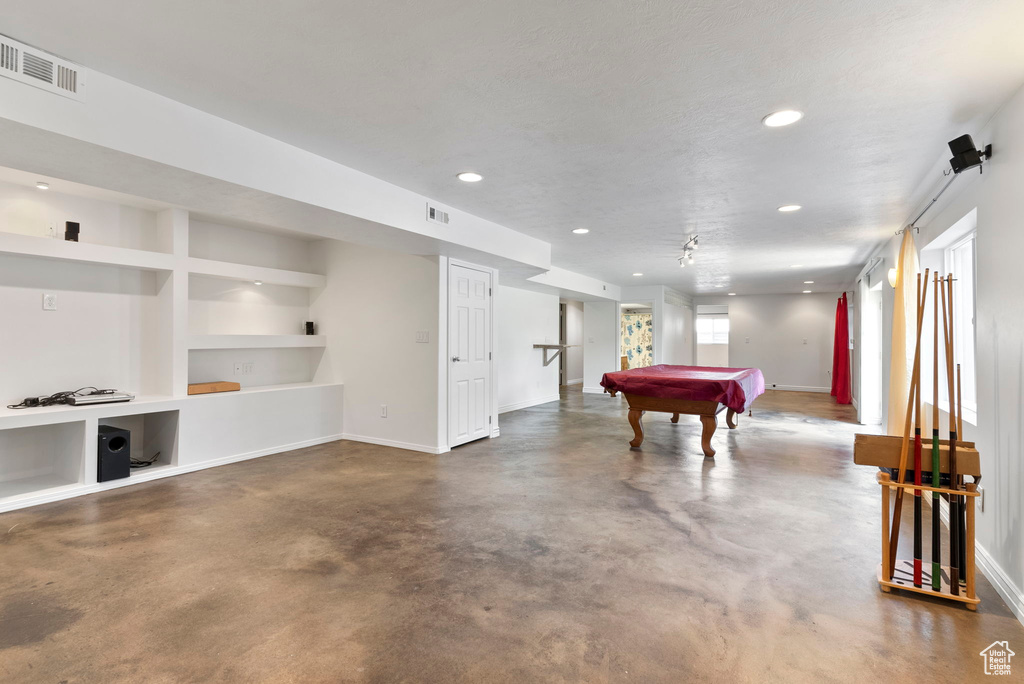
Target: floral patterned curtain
638,339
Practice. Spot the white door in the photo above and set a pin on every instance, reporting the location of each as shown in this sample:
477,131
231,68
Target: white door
469,348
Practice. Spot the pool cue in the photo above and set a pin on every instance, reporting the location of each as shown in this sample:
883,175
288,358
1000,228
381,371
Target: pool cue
917,451
954,501
936,467
962,532
897,514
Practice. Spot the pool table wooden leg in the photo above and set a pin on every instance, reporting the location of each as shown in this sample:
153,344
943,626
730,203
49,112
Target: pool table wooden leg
730,419
675,417
710,423
635,416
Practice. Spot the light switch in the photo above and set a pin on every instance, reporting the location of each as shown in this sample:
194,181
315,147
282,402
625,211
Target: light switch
49,302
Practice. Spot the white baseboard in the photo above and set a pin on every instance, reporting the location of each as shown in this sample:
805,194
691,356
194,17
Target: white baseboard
528,403
496,432
409,446
575,381
594,390
798,388
157,473
993,572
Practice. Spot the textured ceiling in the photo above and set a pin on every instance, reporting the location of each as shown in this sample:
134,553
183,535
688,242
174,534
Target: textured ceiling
637,120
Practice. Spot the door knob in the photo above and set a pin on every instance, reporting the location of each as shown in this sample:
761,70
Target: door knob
455,359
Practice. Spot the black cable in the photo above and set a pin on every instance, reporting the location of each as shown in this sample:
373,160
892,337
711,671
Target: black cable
135,463
58,398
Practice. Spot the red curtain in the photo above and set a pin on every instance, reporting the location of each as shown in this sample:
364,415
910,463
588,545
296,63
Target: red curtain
841,355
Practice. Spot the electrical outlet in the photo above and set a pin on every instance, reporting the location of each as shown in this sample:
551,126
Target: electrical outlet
422,336
981,497
49,302
383,410
248,368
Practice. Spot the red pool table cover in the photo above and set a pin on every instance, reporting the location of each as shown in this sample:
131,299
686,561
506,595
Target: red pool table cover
735,387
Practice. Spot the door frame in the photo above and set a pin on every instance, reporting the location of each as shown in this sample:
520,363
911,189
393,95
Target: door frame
444,407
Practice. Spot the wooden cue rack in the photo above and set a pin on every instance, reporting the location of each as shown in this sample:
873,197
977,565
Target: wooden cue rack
883,451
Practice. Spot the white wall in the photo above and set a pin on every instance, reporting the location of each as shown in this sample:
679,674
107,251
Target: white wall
713,355
1000,338
521,319
374,303
769,332
601,330
574,336
677,333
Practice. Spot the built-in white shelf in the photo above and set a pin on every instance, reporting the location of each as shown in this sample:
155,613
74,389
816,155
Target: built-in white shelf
256,341
35,485
259,389
244,272
84,252
62,413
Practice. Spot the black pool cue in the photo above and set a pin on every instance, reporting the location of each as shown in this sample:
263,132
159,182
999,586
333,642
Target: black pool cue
963,502
915,382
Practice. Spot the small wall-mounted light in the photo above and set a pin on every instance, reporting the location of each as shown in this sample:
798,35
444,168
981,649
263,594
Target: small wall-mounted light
894,277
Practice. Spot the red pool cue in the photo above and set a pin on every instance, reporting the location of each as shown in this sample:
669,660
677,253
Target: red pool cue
954,501
917,450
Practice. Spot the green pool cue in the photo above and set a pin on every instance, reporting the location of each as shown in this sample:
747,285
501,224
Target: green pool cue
936,474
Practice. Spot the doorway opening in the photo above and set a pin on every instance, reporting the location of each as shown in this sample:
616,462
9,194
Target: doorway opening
637,335
871,357
570,335
713,335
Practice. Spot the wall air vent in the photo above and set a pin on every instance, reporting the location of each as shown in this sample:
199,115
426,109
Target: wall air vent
40,69
436,215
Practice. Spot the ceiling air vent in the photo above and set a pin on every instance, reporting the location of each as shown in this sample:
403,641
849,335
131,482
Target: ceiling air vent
436,214
40,69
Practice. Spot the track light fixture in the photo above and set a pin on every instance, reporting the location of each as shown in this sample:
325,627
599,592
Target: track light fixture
689,247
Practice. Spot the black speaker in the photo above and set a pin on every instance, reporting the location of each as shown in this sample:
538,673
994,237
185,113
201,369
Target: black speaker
71,230
113,454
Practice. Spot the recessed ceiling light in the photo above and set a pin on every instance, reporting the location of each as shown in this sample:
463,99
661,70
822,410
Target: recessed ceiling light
470,177
719,285
807,292
581,231
797,266
257,282
808,282
638,274
782,118
732,294
43,186
790,207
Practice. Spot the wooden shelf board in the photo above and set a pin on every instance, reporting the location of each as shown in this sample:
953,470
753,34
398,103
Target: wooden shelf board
244,272
903,578
84,252
256,341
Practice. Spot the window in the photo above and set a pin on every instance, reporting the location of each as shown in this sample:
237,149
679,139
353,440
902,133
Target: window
959,259
713,329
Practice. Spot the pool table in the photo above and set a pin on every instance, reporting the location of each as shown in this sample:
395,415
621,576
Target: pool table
695,390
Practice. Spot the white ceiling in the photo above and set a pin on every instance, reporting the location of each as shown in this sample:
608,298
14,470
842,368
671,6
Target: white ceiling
639,121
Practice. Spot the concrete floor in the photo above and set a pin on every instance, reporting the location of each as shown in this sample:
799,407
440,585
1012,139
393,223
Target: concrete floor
554,553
